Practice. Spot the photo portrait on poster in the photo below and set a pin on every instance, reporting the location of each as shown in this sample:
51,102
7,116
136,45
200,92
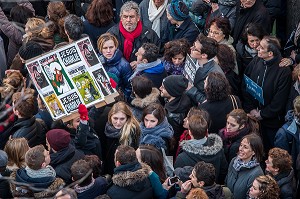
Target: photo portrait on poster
56,74
71,102
86,88
37,75
54,104
87,51
69,56
103,82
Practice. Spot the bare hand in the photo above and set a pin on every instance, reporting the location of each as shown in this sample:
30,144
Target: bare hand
166,185
285,62
293,55
186,186
133,65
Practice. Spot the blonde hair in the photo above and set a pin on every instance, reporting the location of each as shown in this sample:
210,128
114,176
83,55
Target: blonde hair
36,27
16,149
131,129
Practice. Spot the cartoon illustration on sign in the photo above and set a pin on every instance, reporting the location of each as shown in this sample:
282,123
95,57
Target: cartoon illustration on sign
88,52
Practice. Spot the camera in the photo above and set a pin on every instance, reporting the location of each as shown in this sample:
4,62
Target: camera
173,180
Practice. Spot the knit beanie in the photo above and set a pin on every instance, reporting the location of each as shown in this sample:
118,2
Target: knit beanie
183,173
178,10
30,50
58,139
175,85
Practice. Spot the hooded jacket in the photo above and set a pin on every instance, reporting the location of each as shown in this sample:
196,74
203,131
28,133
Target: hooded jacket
211,152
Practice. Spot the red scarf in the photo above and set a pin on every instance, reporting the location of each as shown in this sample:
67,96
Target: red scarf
129,38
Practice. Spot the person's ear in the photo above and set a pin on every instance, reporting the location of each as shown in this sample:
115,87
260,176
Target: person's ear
118,163
201,184
271,54
243,126
204,56
145,61
44,165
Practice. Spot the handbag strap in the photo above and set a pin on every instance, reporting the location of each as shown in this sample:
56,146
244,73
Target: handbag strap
234,102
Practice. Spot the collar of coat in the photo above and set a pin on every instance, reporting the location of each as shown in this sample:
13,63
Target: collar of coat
143,102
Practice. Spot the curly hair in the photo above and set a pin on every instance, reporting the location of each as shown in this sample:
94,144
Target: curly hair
281,159
217,87
197,193
226,58
100,12
268,187
176,47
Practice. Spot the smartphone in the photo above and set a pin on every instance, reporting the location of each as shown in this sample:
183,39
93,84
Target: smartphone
173,180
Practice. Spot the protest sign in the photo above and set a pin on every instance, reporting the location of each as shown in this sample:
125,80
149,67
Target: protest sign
190,69
69,76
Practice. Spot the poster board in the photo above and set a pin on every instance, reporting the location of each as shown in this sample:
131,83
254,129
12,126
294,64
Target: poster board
68,76
190,68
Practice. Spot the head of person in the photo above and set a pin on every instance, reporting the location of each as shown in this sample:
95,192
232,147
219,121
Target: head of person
251,147
37,27
151,156
57,139
158,3
95,163
264,187
107,45
100,12
173,86
56,10
153,115
66,193
196,111
16,149
279,161
247,3
141,86
20,14
3,161
197,127
73,27
176,51
125,155
219,29
252,35
80,169
23,104
216,87
296,73
296,105
30,50
37,157
147,53
269,47
73,123
204,48
203,174
177,11
130,15
238,119
197,193
225,58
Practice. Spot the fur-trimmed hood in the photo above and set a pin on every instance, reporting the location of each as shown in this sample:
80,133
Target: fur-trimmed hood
143,102
211,147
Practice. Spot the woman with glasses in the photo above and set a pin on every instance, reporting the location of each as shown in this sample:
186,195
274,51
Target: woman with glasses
264,187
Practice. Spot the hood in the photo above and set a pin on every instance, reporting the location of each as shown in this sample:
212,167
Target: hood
62,155
212,146
214,191
143,102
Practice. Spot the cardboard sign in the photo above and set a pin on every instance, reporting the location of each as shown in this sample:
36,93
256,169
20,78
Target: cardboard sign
190,69
255,90
69,76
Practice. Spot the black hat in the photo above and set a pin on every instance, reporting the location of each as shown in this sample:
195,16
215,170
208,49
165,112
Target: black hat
175,85
30,50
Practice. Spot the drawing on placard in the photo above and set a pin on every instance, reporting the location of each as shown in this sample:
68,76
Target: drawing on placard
103,82
86,49
37,75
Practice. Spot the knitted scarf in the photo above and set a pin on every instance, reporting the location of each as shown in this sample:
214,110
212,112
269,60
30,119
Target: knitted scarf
129,38
48,171
155,15
143,66
111,132
238,164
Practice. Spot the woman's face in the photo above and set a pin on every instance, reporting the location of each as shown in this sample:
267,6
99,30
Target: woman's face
232,125
245,151
253,41
118,120
108,49
254,190
216,33
178,59
150,121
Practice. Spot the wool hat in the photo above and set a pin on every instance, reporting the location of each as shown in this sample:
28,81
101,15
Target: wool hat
175,85
183,173
30,50
58,139
178,10
3,158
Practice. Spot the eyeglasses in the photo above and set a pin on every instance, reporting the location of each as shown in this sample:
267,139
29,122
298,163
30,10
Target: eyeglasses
195,49
214,32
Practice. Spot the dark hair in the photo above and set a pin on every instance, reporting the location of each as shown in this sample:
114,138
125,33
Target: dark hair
217,88
100,12
67,191
226,58
153,157
197,111
95,163
209,46
151,52
197,126
79,169
273,45
223,24
281,159
125,155
205,172
242,118
20,14
34,157
73,26
24,103
176,47
253,29
155,109
141,86
256,145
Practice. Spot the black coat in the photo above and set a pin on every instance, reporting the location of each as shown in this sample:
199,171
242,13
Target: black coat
287,184
98,188
4,185
243,57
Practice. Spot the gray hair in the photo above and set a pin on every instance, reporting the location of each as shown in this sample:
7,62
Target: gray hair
73,26
130,5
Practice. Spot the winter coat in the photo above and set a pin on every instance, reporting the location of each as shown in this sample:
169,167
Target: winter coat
147,36
291,45
275,82
98,188
156,74
4,185
294,92
287,184
228,11
234,82
243,57
130,181
144,5
138,104
218,111
158,190
46,43
119,66
62,161
210,152
173,69
239,182
6,122
187,30
274,7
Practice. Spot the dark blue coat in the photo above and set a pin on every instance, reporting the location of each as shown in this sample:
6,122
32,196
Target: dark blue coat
99,188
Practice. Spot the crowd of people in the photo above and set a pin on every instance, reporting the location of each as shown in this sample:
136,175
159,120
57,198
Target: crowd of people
230,129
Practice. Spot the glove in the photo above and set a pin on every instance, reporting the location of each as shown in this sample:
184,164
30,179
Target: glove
112,83
82,110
